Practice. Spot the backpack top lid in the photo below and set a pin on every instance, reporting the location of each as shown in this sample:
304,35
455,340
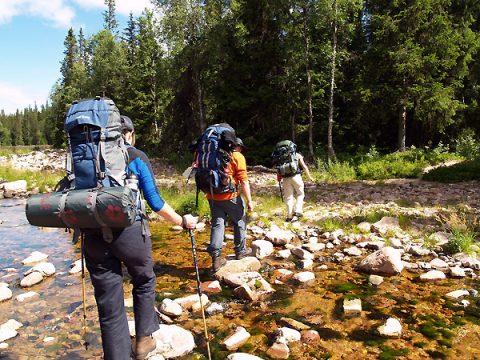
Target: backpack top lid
88,112
286,143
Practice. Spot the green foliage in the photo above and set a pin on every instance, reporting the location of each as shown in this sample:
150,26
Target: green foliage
460,241
334,171
467,144
389,353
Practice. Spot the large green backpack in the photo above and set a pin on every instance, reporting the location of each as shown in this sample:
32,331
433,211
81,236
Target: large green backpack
285,158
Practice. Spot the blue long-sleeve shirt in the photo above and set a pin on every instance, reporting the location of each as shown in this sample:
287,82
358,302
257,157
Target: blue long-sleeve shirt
141,167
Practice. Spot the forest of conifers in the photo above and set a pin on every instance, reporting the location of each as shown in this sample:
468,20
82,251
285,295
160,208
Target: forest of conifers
333,75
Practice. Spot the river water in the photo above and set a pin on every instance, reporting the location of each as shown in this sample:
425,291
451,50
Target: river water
432,327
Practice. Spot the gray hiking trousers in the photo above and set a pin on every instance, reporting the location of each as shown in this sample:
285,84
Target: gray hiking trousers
235,209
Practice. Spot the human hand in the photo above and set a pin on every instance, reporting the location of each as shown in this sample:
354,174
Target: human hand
189,221
250,206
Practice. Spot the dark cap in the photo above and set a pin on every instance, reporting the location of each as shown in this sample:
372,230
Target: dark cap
240,143
127,123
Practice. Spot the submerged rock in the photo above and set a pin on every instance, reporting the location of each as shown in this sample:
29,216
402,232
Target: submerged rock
5,293
243,356
433,275
278,351
44,268
352,307
31,279
238,266
27,296
6,334
237,339
392,328
187,302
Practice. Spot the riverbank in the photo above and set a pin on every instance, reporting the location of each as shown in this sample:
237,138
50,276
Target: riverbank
373,270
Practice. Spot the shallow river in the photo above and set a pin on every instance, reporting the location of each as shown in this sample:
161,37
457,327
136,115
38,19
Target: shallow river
432,326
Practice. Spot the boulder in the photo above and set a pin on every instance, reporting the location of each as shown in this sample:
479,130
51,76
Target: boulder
238,266
15,186
31,279
239,279
384,261
261,248
171,308
35,257
278,236
302,253
304,277
387,224
352,307
44,268
457,294
433,275
5,293
278,351
173,341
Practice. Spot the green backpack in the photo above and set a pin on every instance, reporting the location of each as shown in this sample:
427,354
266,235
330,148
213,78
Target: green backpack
285,158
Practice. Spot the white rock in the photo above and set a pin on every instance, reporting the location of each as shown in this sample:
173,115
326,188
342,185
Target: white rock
44,268
35,257
173,341
314,247
302,253
384,261
313,240
31,279
440,237
375,280
48,339
387,223
353,251
392,328
304,277
457,272
249,263
176,228
214,308
5,293
290,335
261,248
243,356
237,339
131,327
457,294
418,250
239,279
364,226
438,264
76,267
352,307
3,346
187,302
305,264
6,334
11,324
278,236
27,296
284,254
171,308
229,236
465,303
15,186
433,275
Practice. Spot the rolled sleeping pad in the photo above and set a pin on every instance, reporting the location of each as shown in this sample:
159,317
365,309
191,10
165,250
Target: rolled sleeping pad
113,207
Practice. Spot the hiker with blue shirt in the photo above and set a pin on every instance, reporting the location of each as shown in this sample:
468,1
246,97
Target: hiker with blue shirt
131,246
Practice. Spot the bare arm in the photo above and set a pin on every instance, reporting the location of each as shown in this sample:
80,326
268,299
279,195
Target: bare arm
171,215
305,168
246,191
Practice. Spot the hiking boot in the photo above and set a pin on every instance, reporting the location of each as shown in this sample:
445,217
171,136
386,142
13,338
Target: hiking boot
298,215
144,345
243,254
217,263
289,219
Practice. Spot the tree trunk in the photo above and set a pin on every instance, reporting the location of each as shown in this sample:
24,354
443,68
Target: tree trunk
331,151
309,82
292,124
402,124
201,113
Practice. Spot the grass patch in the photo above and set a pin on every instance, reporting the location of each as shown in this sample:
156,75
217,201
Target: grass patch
389,353
21,149
183,201
464,171
44,179
330,224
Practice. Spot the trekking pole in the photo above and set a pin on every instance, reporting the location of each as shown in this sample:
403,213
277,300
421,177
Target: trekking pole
192,239
84,291
279,179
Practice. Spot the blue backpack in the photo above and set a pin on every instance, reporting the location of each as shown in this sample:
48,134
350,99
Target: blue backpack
212,156
97,155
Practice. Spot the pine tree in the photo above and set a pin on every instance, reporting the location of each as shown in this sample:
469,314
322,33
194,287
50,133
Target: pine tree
109,19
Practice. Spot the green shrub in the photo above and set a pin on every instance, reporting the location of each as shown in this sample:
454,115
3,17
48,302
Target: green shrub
461,241
44,179
334,171
183,201
466,145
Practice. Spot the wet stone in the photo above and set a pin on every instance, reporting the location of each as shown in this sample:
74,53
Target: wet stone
352,307
392,328
433,275
237,339
278,351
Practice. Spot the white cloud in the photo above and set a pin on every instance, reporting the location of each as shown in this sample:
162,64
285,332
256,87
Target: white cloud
54,11
13,97
123,7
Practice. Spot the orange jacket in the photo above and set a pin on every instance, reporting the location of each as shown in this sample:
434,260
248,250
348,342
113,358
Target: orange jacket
237,170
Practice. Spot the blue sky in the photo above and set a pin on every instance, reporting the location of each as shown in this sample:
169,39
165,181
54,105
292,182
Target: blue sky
32,33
